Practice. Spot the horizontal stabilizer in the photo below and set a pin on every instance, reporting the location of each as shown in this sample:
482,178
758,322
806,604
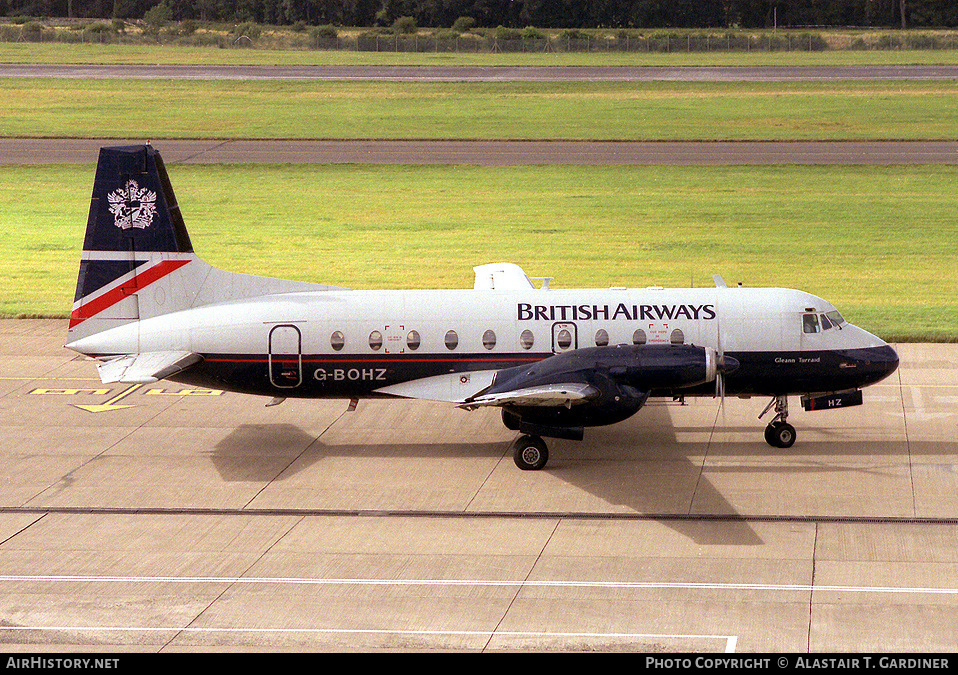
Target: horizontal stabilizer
147,367
547,395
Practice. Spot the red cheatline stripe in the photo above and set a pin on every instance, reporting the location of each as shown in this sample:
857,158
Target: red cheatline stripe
139,282
347,362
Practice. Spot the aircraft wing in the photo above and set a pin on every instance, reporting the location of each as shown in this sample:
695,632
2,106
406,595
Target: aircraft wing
466,390
549,395
448,388
145,368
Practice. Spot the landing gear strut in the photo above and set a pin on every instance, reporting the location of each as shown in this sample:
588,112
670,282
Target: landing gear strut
530,453
779,433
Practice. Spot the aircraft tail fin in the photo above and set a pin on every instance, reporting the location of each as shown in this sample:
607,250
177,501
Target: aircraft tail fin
135,239
138,261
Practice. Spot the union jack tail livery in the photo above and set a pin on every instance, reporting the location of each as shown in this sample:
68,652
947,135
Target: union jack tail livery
135,241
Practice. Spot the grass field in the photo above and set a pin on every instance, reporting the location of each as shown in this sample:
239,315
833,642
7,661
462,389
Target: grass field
879,242
179,55
512,110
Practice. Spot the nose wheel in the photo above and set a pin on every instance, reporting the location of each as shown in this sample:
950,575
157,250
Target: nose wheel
779,433
530,453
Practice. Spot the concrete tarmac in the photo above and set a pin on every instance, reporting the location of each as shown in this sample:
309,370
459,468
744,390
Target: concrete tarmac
162,518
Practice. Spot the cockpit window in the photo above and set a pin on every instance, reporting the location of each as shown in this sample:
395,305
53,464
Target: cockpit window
826,324
810,323
835,317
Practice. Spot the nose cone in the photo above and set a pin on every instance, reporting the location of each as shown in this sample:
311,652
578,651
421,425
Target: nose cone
877,363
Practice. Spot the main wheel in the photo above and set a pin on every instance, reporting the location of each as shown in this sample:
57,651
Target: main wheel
530,453
780,435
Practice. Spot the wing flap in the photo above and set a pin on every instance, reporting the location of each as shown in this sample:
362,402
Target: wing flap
145,368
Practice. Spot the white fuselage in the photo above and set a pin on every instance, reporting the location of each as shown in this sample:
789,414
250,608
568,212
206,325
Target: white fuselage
351,343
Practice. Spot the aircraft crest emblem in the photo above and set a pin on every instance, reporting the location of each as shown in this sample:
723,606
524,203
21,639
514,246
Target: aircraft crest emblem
132,206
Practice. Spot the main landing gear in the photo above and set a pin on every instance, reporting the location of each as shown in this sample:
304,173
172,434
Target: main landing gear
530,453
779,433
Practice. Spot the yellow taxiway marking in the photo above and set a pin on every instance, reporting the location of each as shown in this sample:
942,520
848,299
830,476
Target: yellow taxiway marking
111,404
59,391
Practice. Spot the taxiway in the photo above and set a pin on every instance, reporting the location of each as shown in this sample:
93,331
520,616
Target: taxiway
157,517
426,73
492,153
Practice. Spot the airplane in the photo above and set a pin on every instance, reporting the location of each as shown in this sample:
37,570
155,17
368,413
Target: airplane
554,361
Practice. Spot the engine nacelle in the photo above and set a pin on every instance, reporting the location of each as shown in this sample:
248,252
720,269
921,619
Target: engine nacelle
668,367
621,376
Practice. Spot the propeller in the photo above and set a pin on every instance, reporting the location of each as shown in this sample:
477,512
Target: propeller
724,365
719,352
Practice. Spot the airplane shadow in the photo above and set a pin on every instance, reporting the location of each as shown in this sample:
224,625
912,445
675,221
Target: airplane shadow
260,453
621,477
651,465
650,472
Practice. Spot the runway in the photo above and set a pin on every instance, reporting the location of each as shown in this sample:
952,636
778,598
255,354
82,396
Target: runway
161,518
492,153
483,73
489,153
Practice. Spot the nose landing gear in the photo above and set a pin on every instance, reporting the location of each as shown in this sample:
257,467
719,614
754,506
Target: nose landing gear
779,433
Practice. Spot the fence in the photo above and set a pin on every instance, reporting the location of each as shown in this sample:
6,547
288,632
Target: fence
779,41
769,42
663,44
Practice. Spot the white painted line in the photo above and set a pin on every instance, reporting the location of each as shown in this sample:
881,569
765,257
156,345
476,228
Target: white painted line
638,585
731,641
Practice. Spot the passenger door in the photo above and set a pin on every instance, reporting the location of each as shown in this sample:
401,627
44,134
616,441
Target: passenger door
285,356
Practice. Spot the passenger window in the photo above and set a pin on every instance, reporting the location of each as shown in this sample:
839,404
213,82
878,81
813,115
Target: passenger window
488,339
451,340
601,338
564,339
677,337
337,340
375,340
638,337
810,323
412,340
526,340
